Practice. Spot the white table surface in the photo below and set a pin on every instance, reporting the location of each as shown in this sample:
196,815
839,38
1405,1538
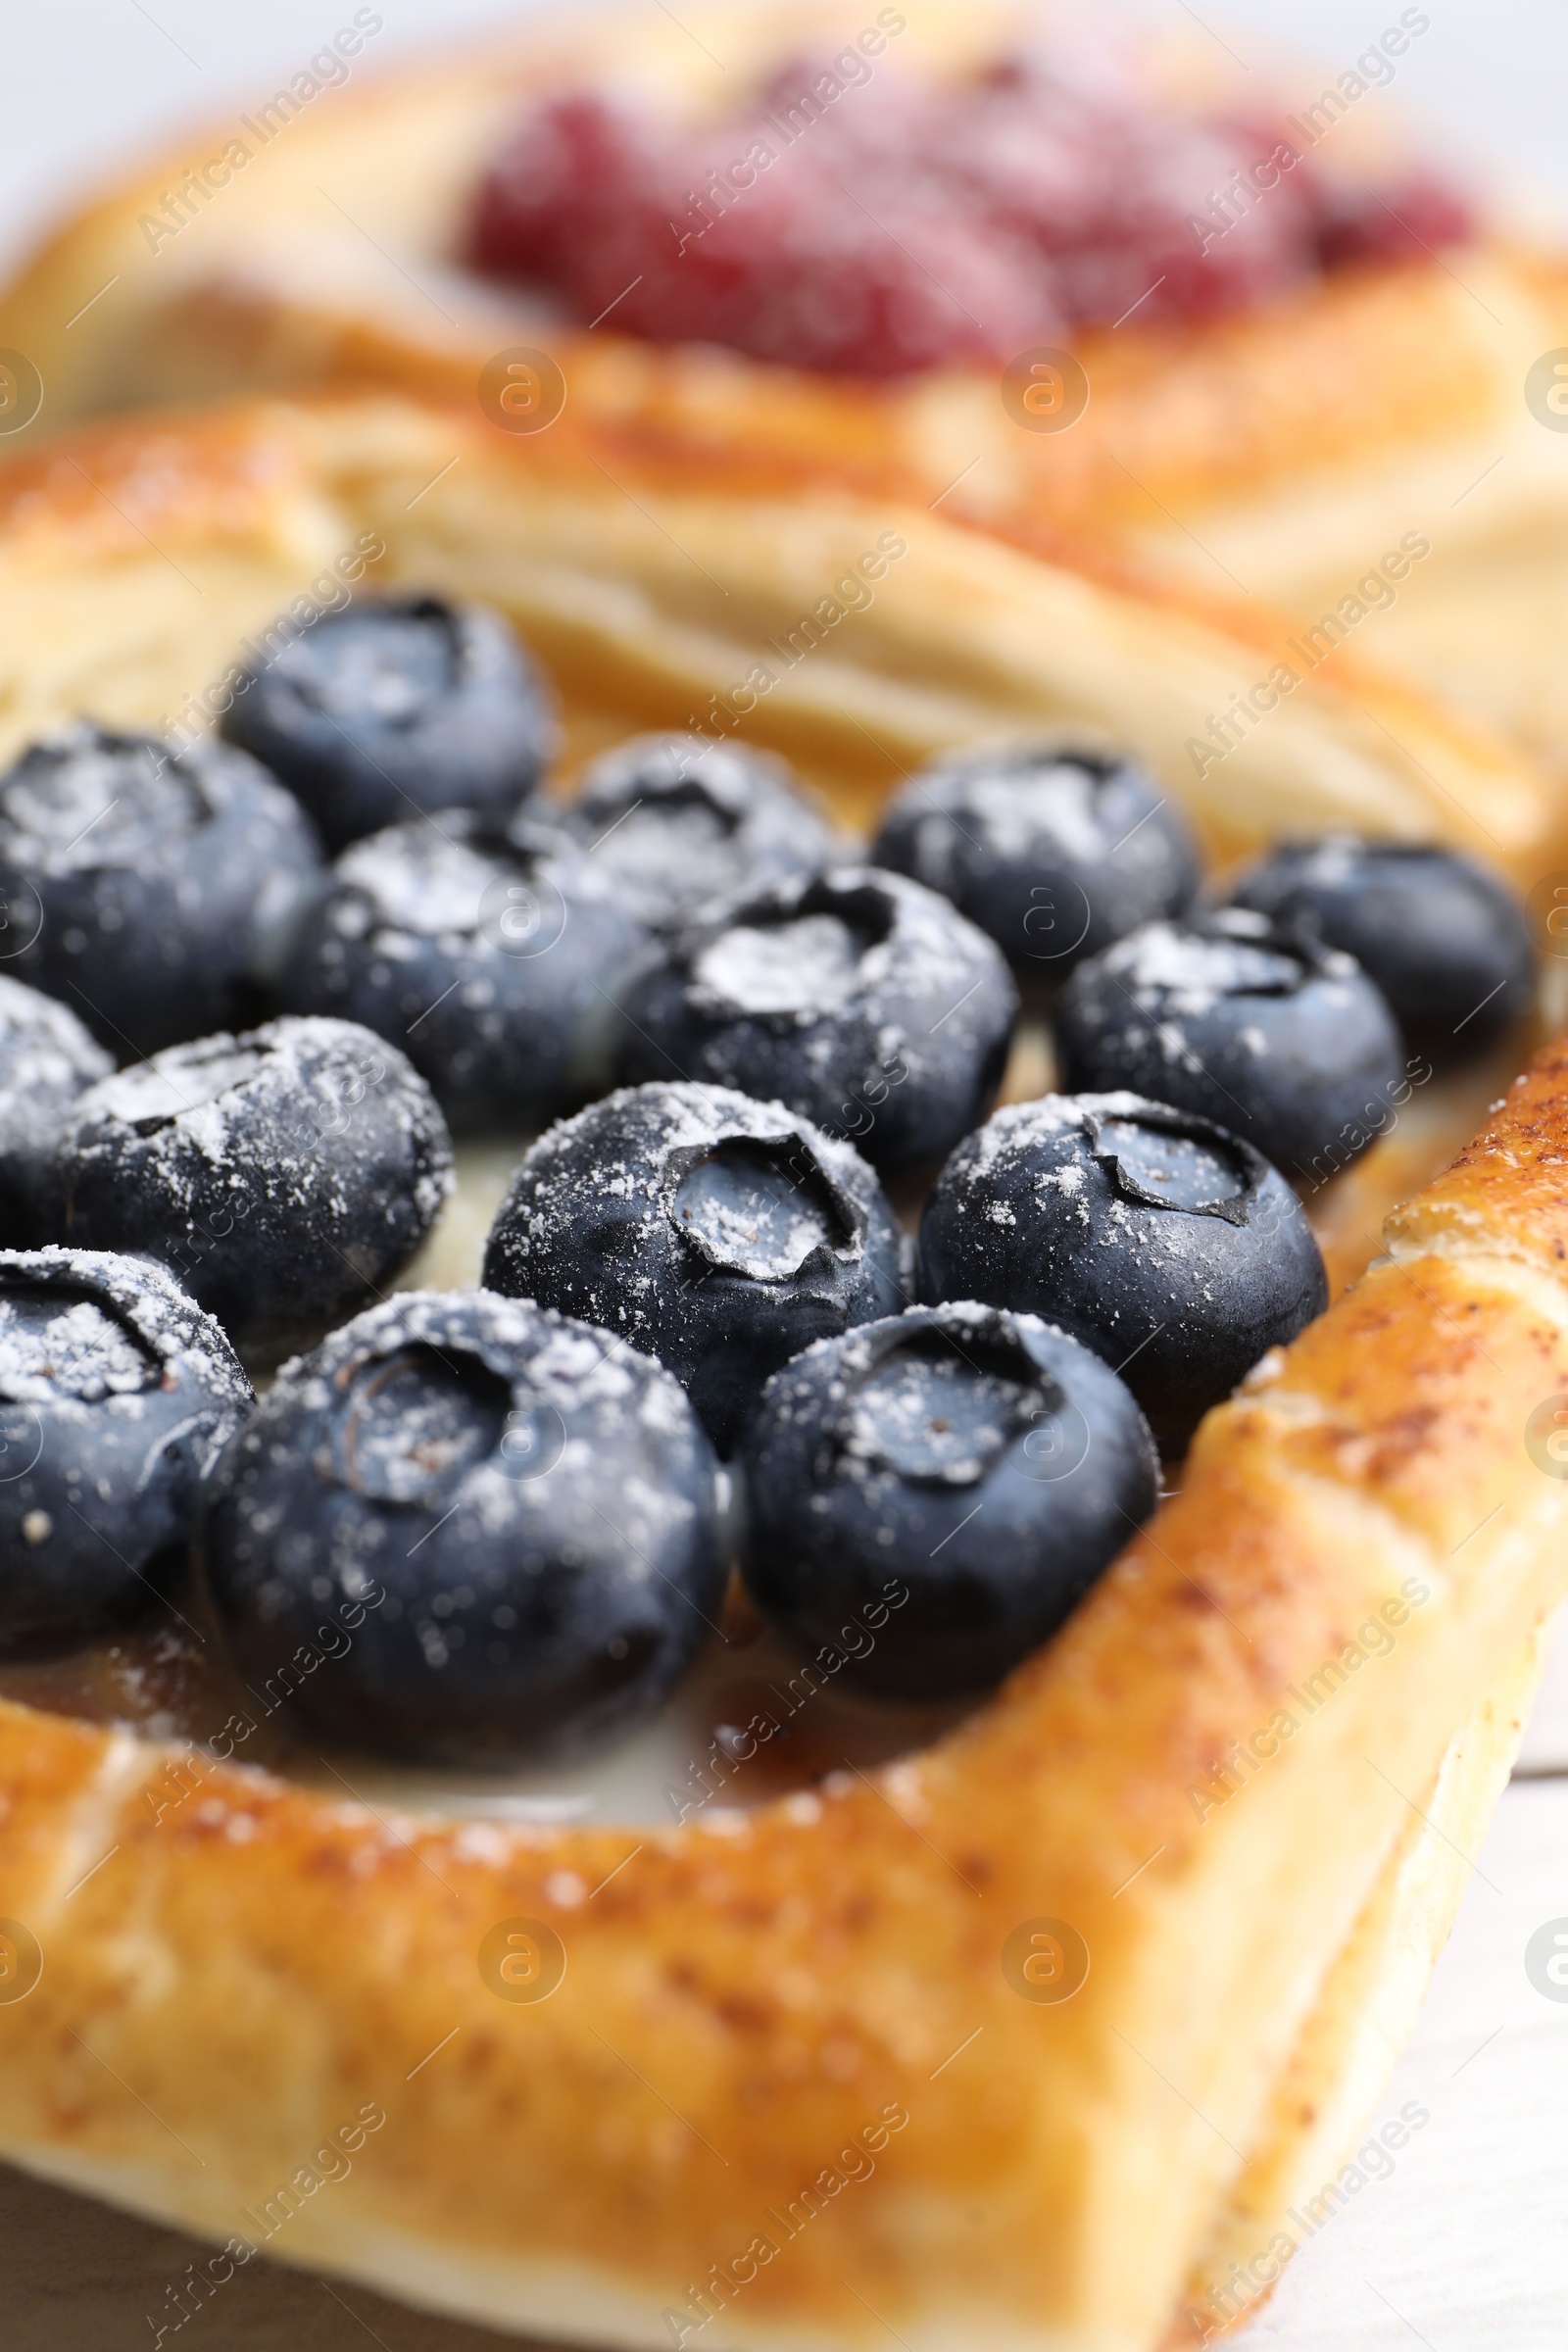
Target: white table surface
1465,2247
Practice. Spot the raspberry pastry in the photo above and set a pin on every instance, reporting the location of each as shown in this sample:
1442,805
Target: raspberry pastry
795,1839
1123,298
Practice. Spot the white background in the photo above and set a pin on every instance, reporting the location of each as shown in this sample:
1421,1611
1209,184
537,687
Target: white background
1466,2247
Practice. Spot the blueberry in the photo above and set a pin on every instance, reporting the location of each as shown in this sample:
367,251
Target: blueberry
861,999
958,1477
514,1515
137,883
1263,1030
677,821
1445,941
46,1059
720,1234
493,968
1171,1249
116,1397
1054,850
389,708
284,1176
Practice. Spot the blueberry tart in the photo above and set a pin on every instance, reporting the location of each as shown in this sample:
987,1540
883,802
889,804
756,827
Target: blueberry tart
1445,939
1054,850
139,883
721,1234
1197,1839
492,967
677,820
116,1395
1171,1249
525,1512
284,1177
863,1000
1261,1029
391,708
47,1057
970,1470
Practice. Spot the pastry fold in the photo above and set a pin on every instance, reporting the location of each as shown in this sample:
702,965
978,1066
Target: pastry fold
858,634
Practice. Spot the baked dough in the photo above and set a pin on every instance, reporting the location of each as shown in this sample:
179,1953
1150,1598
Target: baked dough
138,560
134,559
793,2077
1269,462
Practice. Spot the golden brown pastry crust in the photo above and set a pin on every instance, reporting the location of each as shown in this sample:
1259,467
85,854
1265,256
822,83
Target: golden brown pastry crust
1362,1545
233,1980
1271,459
660,593
136,557
1178,417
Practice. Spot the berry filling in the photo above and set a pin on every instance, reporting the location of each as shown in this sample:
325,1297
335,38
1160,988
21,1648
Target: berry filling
384,710
283,1177
720,1234
1446,942
482,1530
863,1000
1255,1025
677,820
1053,850
854,221
139,883
507,1602
115,1396
973,1468
1167,1245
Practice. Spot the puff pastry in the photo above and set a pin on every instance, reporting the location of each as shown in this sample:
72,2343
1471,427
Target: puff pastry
794,2081
1271,461
857,631
141,563
794,2086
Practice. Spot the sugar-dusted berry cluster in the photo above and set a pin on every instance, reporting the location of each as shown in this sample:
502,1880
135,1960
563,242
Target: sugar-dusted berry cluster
778,1313
856,219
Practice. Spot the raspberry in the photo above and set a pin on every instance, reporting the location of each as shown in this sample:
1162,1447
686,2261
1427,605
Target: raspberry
866,224
888,117
568,172
1401,222
810,275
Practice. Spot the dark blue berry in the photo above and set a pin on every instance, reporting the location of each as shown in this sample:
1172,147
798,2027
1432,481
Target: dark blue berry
957,1476
1052,849
389,708
1265,1031
493,968
1446,941
285,1177
47,1057
138,883
518,1512
676,821
116,1397
720,1234
862,999
1171,1249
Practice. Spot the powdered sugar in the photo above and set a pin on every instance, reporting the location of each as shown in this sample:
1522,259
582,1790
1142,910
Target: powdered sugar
806,967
